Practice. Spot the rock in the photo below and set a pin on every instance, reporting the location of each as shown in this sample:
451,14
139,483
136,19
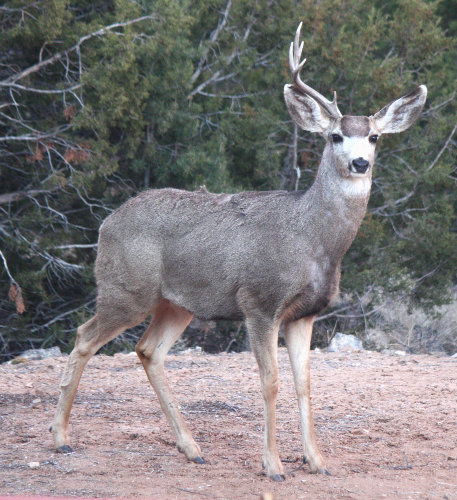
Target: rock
345,343
454,355
189,350
34,354
34,465
393,352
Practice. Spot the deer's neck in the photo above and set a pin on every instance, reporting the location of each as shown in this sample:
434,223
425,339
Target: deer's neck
338,204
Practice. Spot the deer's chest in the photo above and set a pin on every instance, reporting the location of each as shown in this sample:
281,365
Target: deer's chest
315,294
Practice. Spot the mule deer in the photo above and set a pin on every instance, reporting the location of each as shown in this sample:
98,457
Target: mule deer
262,257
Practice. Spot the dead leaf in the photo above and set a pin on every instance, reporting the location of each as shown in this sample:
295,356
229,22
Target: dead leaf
15,295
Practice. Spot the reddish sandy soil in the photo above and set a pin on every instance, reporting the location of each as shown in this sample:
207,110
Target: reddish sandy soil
387,425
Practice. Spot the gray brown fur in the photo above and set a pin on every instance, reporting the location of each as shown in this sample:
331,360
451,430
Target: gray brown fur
226,256
352,126
266,257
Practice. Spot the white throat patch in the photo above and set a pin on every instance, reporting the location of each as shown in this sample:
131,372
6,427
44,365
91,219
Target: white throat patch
355,186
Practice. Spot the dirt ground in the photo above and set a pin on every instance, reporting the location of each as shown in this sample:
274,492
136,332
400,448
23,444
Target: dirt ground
387,425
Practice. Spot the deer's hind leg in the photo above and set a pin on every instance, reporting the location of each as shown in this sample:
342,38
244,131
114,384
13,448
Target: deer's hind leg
107,324
168,323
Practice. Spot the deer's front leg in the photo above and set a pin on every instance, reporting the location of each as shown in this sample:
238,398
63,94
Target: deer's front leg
298,340
264,342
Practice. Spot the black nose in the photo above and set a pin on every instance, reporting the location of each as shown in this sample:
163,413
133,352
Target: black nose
360,165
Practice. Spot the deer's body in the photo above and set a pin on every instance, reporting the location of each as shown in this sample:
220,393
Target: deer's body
220,256
266,258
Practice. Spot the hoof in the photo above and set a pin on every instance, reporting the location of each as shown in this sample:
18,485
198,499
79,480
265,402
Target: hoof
197,460
322,470
65,449
278,478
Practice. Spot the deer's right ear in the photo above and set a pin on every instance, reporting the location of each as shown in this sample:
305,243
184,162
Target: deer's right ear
306,112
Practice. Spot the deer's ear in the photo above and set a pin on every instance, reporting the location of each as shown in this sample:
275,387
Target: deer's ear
306,112
402,113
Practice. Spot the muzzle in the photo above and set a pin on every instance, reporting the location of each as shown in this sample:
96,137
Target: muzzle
359,165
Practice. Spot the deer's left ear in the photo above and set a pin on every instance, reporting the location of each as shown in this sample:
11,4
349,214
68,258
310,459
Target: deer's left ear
402,113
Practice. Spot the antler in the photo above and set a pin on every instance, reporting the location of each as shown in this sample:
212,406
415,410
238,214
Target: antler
296,66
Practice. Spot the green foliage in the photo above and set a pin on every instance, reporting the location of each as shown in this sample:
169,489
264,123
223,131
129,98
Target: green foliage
192,95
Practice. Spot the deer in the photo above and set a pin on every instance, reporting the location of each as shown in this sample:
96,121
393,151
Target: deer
266,258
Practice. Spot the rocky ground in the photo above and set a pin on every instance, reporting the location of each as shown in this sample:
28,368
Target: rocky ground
387,425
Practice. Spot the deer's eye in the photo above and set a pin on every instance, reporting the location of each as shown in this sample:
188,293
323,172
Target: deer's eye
337,138
373,138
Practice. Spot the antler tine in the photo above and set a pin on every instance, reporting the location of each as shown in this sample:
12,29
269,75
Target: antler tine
298,47
334,101
294,64
295,51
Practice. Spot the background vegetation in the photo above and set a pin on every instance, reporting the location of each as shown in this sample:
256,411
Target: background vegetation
101,99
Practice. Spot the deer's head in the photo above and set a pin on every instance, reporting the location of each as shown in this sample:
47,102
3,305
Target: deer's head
351,139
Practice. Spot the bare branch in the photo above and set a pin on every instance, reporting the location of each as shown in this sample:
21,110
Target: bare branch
59,55
345,308
215,77
235,96
34,138
45,91
438,106
5,265
75,245
20,195
214,36
15,293
60,317
443,149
